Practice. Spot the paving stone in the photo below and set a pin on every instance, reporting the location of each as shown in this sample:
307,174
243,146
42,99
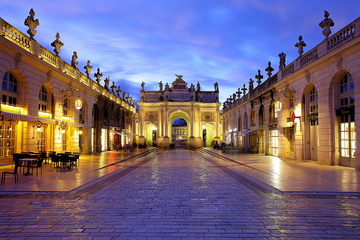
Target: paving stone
178,195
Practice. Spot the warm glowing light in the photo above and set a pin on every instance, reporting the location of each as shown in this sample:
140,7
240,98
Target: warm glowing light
44,114
65,118
278,106
12,109
78,104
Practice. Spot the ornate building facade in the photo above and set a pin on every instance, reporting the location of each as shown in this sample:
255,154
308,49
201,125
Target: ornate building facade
308,110
49,105
200,110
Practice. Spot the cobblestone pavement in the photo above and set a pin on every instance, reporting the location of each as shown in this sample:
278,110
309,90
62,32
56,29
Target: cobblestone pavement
177,195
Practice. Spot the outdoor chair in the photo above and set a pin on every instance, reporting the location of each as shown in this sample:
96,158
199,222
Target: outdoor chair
43,155
37,165
64,160
14,173
55,159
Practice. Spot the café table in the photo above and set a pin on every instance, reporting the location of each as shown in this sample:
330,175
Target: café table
29,161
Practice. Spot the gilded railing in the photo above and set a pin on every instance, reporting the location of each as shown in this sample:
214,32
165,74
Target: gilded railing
48,57
15,36
69,70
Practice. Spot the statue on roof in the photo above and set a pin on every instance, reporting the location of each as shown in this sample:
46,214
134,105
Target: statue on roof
142,86
57,44
326,24
179,79
98,75
216,87
88,68
74,61
282,57
198,87
31,23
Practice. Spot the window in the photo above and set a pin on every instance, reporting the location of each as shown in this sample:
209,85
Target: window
239,124
274,142
65,107
313,107
291,103
261,115
347,118
43,99
7,139
9,89
252,117
346,87
81,115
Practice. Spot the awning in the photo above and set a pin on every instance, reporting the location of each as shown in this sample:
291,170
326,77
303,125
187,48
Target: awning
247,132
119,133
286,125
27,118
20,117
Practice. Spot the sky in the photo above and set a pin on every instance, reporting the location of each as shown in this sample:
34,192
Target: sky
224,41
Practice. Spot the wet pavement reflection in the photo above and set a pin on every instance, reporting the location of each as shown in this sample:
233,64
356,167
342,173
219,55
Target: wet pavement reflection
182,195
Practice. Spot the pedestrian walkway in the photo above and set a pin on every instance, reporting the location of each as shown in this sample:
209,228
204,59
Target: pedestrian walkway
287,176
291,176
177,195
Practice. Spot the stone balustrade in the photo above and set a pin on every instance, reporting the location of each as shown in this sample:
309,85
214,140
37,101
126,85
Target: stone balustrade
347,33
10,33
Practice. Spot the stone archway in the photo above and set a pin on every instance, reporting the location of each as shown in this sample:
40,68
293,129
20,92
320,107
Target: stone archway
151,135
186,135
196,107
207,134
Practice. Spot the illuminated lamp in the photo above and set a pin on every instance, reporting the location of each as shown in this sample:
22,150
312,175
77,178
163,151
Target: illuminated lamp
278,106
78,104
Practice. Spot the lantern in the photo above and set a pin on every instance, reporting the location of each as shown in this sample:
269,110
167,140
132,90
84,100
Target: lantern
78,104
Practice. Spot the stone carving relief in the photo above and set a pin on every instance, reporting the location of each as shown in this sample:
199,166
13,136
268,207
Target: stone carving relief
151,116
338,62
18,61
207,116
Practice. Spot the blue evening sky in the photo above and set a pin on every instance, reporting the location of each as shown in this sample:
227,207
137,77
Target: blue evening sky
224,41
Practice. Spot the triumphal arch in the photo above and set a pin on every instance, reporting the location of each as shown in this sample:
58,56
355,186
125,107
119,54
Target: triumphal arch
199,109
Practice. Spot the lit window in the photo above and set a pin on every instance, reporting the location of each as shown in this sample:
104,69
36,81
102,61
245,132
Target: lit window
43,99
9,89
346,87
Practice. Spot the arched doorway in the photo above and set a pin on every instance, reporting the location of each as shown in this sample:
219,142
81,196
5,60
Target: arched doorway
179,131
310,110
207,134
151,135
183,132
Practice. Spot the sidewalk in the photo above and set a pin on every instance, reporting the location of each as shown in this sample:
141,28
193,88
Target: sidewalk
90,168
291,176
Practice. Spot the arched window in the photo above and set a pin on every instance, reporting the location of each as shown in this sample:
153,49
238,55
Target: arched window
346,86
246,124
347,120
65,107
313,107
239,124
252,117
9,89
261,115
43,99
